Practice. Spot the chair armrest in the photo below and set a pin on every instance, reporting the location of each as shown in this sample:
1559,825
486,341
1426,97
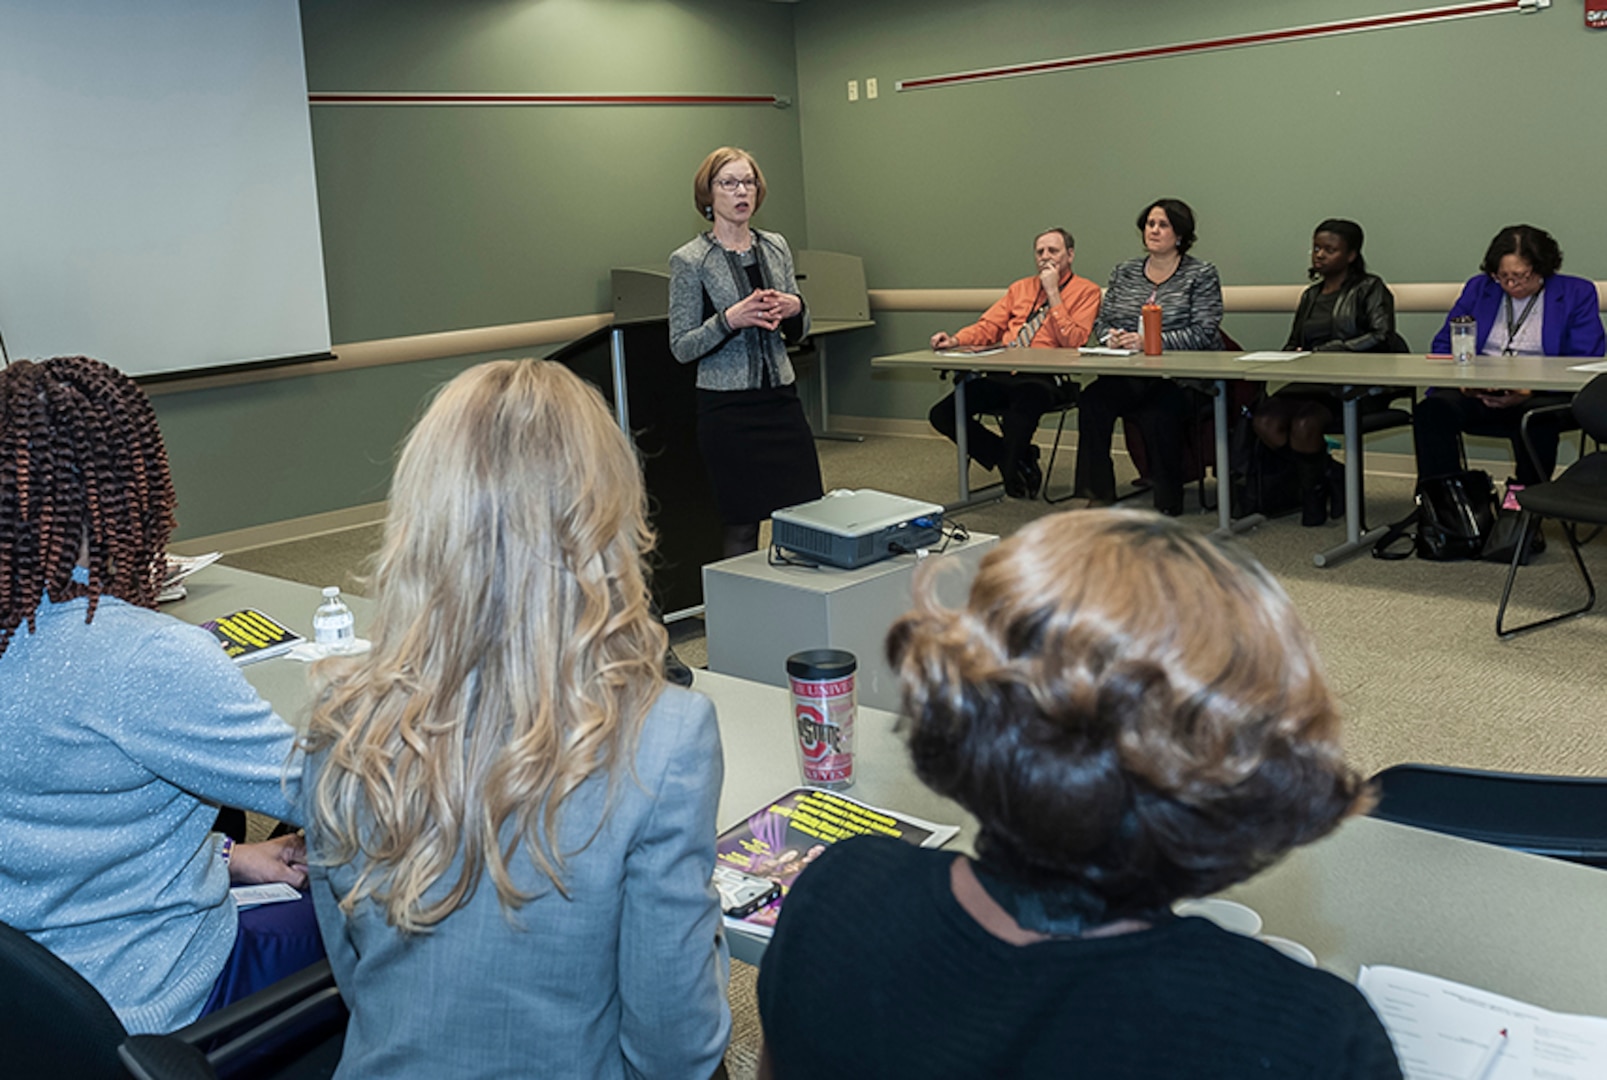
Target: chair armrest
1388,393
163,1057
251,1011
1523,426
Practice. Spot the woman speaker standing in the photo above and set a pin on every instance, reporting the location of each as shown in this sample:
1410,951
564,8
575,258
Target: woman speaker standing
734,308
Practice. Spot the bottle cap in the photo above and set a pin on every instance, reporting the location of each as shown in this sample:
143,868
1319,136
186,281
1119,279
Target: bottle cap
331,591
821,664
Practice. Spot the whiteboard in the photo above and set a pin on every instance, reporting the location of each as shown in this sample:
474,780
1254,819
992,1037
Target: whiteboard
158,208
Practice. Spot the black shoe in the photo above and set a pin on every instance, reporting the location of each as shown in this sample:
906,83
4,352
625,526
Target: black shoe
1336,490
1314,506
1314,475
1023,478
675,670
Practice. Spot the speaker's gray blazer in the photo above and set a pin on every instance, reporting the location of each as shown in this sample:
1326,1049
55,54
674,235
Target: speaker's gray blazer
705,279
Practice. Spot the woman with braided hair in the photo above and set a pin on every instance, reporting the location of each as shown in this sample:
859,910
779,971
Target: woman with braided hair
125,729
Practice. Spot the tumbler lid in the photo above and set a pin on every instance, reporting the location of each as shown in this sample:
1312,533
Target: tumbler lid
821,664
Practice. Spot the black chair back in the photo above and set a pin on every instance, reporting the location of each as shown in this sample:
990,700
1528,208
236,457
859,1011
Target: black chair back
1564,817
52,1022
1590,408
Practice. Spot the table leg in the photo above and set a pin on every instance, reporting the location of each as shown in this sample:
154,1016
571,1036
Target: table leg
1355,539
962,448
825,431
1225,524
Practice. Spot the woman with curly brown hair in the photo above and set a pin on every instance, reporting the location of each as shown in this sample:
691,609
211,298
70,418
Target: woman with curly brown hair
1134,715
124,729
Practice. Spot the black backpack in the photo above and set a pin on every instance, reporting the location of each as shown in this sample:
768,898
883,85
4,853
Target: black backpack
1454,518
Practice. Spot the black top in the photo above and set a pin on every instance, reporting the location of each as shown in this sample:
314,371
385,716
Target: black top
876,971
1319,324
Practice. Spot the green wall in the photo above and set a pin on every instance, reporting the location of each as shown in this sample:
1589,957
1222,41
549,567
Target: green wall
452,217
946,187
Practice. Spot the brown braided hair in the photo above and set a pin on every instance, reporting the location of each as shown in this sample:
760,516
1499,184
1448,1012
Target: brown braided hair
81,464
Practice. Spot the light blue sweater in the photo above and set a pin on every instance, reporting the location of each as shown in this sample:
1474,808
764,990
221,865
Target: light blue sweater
114,734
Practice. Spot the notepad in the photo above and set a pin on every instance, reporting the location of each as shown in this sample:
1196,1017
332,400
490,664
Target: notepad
1105,350
1595,367
276,892
1443,1029
1272,357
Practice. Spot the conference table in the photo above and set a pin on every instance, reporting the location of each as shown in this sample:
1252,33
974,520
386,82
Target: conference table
1371,893
1354,376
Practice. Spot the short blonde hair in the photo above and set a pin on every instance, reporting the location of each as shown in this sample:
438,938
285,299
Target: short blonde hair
703,182
514,655
1129,708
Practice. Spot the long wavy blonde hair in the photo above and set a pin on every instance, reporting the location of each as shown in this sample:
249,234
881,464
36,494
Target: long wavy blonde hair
514,655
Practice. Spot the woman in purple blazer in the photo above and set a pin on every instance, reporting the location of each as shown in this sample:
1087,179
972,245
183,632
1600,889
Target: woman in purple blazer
1523,307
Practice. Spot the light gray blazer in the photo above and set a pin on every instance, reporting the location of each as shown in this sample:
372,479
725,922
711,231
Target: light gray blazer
624,978
705,279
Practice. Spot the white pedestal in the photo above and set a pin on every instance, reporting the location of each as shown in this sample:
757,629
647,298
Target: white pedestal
758,615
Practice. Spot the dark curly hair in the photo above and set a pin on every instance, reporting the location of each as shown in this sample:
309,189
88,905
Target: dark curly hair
1533,245
82,467
1180,214
1133,713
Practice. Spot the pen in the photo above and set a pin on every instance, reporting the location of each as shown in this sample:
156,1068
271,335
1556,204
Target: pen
1486,1064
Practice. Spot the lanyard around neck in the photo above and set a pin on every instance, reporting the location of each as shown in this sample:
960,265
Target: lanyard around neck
1514,327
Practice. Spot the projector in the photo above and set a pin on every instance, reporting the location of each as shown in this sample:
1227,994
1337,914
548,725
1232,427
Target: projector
850,529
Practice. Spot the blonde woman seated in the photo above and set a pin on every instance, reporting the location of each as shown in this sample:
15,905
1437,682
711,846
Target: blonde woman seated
1134,715
511,815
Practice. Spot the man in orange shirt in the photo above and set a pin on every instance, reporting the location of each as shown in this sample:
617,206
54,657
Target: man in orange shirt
1054,310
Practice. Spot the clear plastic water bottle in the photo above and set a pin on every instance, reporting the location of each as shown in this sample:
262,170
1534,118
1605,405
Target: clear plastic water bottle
333,626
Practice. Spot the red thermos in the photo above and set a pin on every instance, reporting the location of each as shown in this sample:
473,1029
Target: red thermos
1151,317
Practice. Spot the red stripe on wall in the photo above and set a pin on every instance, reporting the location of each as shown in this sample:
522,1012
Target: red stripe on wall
323,98
1238,41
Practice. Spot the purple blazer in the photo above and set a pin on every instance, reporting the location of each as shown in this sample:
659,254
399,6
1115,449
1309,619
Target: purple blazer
1572,315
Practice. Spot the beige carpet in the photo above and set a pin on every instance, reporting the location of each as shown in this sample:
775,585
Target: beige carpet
1410,646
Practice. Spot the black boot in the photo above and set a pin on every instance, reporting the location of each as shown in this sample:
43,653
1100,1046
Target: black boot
1311,471
1023,477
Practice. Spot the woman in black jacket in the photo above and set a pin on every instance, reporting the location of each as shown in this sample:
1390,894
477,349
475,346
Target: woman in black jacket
1345,310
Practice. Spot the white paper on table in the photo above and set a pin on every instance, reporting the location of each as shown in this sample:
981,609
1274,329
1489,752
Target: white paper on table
1105,350
180,567
1273,357
1442,1029
276,892
1595,367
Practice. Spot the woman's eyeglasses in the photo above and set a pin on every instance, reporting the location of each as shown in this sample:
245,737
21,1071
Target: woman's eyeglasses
732,184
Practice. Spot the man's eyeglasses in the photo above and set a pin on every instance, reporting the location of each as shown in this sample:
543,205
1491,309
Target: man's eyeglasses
731,184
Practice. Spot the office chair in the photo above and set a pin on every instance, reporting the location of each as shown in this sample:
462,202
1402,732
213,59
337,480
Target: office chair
1066,392
53,1023
1578,496
1376,411
1563,817
1199,441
